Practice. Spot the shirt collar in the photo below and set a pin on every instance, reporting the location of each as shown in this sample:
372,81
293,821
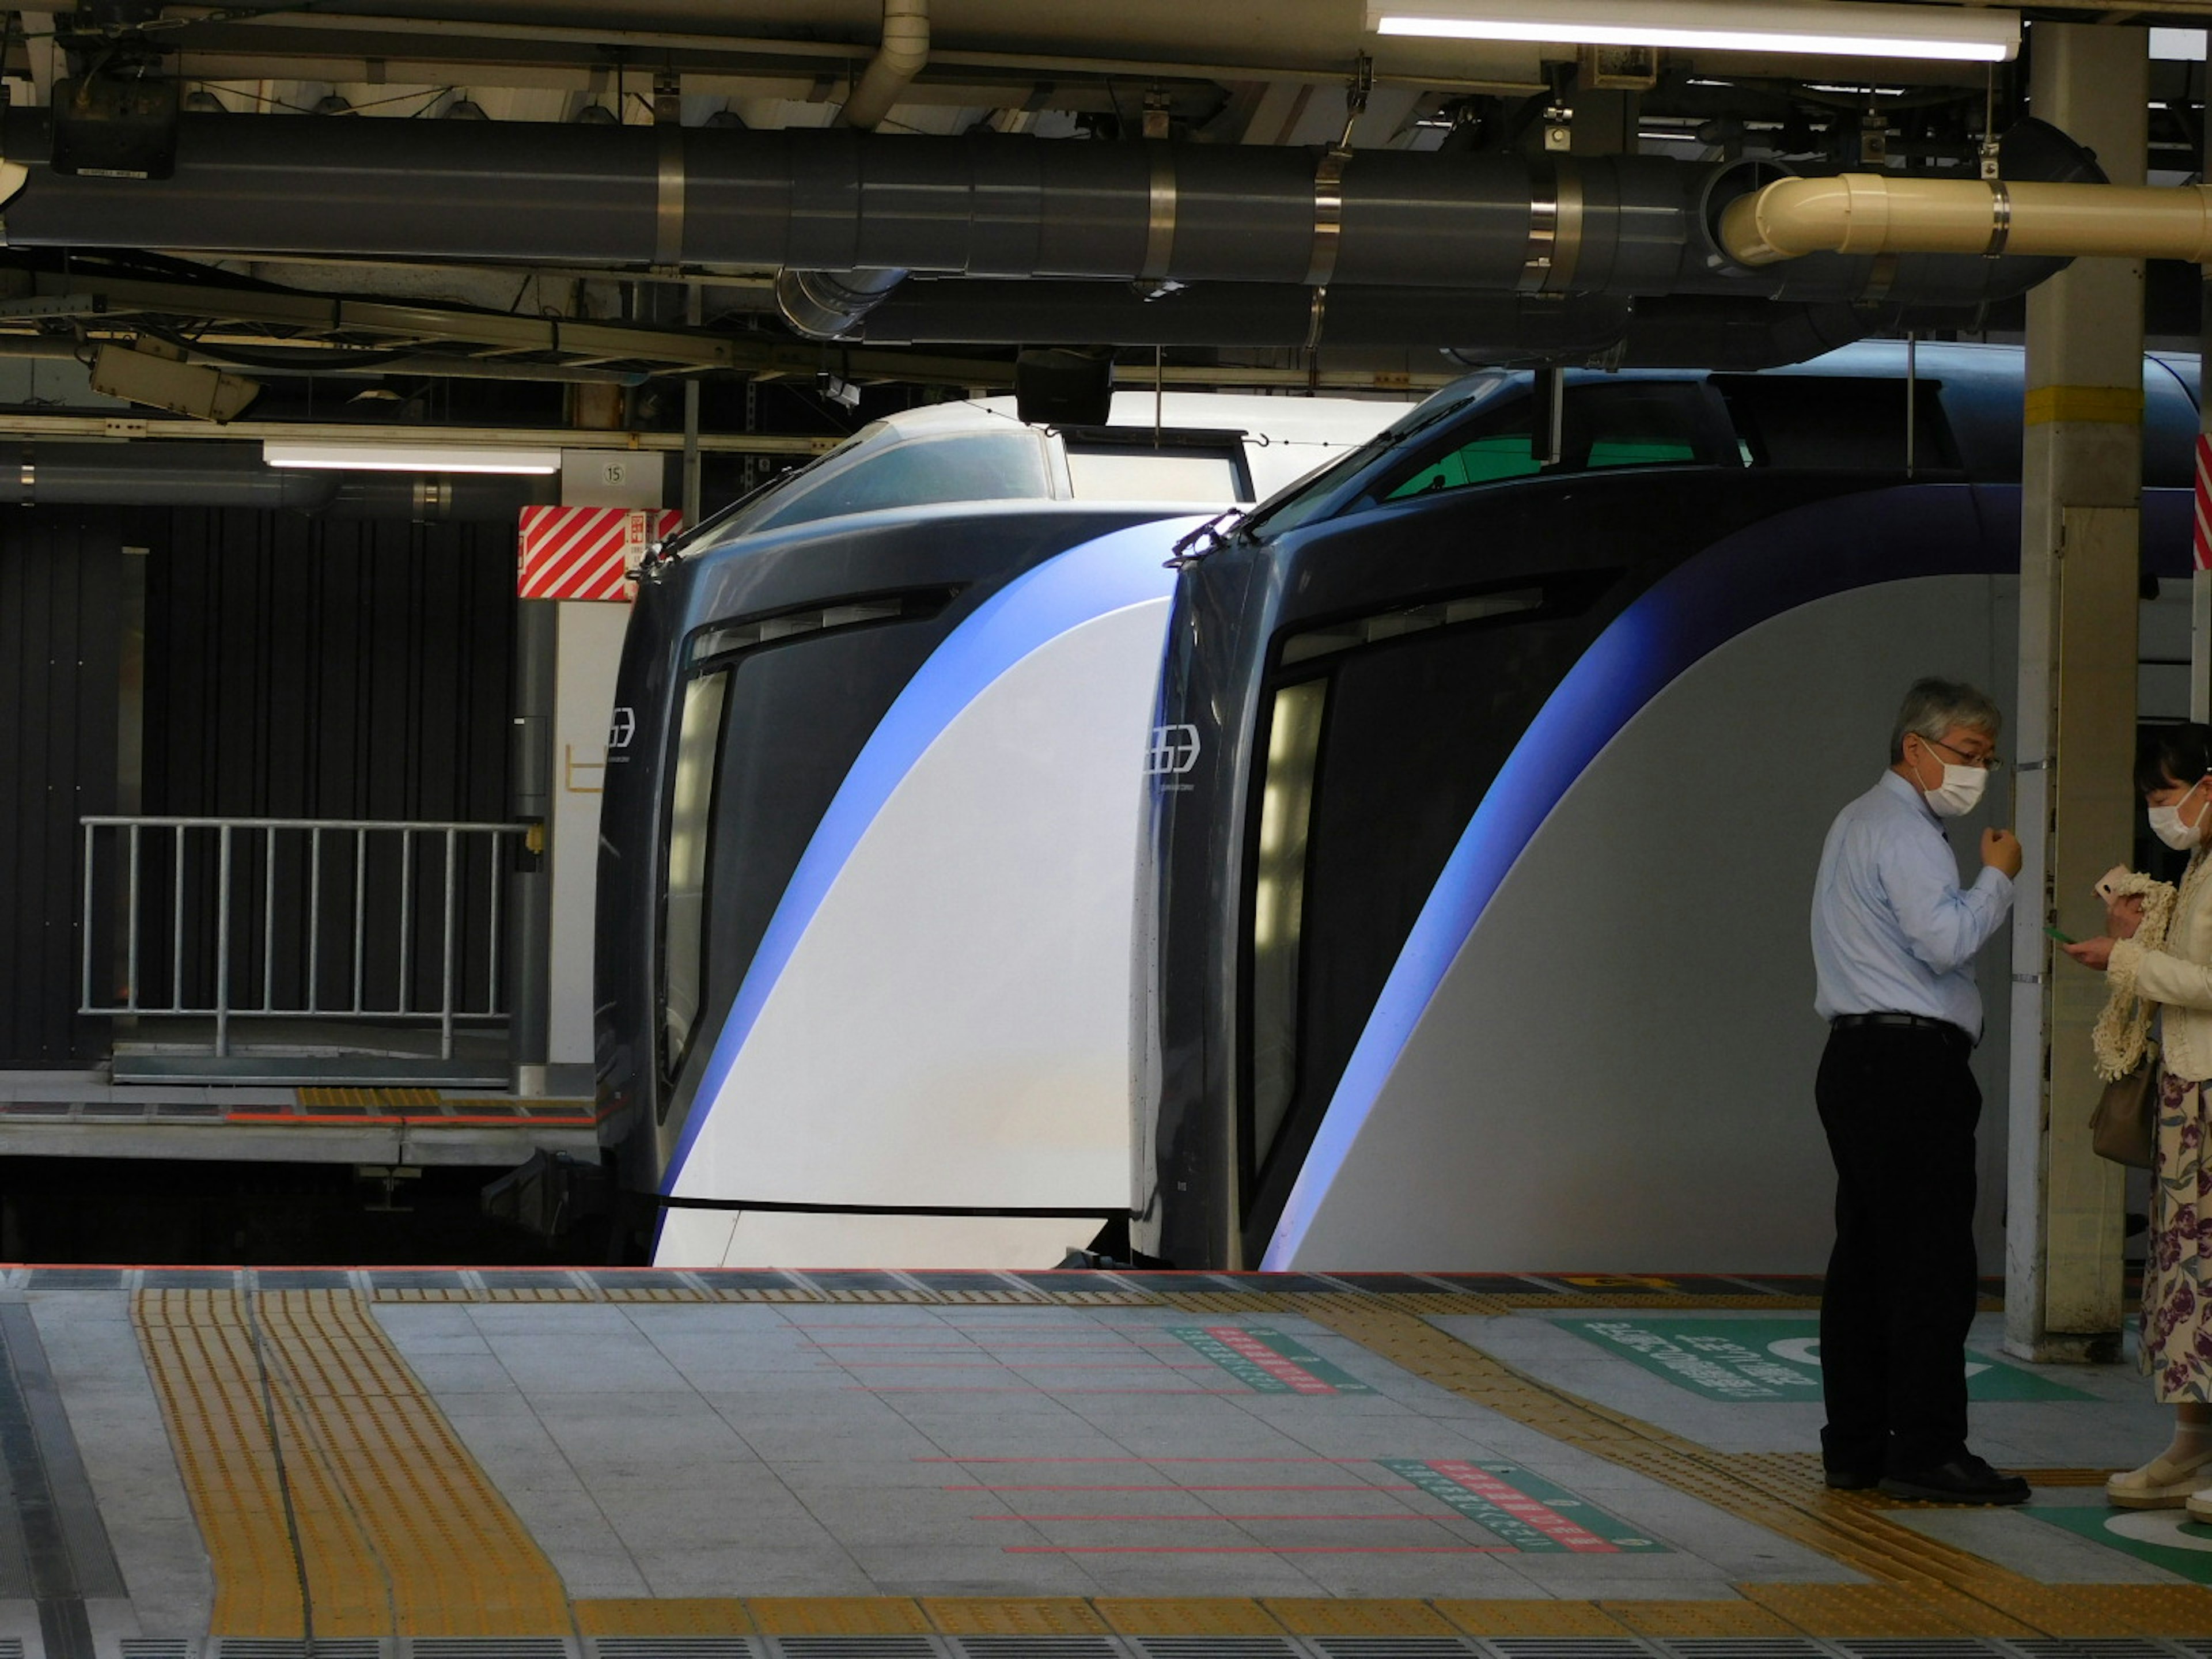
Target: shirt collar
1890,781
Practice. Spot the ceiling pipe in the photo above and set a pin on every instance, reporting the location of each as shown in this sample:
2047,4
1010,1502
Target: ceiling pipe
209,475
1676,331
902,55
975,206
826,305
1870,213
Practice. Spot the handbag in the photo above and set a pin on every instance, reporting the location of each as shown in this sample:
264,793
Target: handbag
2124,1125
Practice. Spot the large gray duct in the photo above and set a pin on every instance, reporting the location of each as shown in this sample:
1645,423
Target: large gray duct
204,474
976,205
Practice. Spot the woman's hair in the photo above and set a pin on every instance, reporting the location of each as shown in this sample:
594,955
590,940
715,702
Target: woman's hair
2167,754
1933,707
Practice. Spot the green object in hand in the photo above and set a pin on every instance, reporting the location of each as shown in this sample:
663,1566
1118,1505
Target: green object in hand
2064,938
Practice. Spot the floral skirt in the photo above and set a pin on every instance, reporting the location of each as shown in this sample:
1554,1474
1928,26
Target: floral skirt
2177,1316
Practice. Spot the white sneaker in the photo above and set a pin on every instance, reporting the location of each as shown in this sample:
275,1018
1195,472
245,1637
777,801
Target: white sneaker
2161,1485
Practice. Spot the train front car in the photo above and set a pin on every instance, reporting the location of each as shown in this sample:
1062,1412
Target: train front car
867,885
1477,746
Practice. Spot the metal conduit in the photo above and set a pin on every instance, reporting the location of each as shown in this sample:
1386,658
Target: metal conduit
976,205
1664,332
221,475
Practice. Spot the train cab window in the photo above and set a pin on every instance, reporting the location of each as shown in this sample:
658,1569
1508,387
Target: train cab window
966,466
684,918
1606,424
1840,422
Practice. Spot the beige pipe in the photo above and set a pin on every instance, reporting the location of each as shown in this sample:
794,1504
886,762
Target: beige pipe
904,50
1873,213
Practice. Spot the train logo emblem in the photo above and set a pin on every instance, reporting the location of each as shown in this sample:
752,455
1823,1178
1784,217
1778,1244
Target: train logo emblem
623,729
1174,751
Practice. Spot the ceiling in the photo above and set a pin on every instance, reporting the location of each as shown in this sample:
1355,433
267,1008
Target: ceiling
507,341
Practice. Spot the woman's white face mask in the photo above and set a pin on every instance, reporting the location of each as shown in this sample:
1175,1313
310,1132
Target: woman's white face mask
2169,826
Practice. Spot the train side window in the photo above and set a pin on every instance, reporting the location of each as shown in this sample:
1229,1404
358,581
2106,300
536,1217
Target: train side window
684,904
1840,422
1607,424
1279,904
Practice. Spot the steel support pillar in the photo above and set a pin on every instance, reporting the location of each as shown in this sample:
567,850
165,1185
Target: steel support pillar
2074,736
529,938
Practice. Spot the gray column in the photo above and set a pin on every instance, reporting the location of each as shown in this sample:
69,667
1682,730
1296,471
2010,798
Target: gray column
530,890
2075,741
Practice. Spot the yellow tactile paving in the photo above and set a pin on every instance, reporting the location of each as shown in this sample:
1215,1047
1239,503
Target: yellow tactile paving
1531,1618
1922,1584
837,1615
1194,1615
995,1615
1699,1618
402,1533
704,1615
1316,1615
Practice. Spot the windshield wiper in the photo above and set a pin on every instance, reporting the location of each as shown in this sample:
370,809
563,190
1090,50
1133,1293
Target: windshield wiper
1187,552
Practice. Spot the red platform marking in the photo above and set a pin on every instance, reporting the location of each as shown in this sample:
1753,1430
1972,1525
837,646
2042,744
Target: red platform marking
1360,1486
1245,1346
1522,1507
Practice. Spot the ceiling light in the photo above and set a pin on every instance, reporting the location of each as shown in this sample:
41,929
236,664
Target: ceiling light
410,458
1828,27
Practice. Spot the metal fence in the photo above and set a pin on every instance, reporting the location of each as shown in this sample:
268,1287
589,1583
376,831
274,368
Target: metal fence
300,919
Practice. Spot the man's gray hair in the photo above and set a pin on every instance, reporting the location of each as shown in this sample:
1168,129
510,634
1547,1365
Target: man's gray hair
1933,707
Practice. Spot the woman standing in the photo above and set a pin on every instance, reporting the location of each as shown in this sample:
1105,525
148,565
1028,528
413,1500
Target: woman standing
2174,974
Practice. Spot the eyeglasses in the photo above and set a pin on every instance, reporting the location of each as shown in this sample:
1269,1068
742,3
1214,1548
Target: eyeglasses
1990,763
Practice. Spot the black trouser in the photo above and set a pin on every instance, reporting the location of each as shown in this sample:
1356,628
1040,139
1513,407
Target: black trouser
1900,1105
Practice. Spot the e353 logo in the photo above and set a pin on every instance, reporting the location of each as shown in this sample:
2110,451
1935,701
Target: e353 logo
1174,751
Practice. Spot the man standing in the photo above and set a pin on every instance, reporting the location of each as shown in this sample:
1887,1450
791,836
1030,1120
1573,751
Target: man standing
1894,941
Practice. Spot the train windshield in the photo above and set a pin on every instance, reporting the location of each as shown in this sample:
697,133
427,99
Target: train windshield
1311,497
876,468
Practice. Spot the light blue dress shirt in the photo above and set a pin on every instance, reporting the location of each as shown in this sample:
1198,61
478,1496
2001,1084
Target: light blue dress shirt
1892,930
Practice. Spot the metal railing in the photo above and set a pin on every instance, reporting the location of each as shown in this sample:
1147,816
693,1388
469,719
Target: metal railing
327,916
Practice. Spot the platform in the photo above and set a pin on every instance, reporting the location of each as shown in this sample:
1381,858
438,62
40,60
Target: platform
649,1465
65,1115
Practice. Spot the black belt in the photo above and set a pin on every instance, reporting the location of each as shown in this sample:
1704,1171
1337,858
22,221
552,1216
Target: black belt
1848,1022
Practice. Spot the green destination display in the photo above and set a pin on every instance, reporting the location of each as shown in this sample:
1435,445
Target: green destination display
1523,1509
1770,1359
1267,1362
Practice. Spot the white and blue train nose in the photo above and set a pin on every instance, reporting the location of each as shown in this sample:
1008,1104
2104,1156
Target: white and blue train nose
928,1059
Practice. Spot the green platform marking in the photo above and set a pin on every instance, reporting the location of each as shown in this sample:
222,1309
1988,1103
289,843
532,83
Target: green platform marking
1267,1362
2165,1538
1523,1509
1768,1359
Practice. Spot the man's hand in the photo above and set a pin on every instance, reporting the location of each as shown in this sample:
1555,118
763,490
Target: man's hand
2091,952
2001,851
2124,915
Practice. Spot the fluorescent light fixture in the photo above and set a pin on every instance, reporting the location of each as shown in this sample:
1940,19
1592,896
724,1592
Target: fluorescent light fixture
1825,27
410,458
2178,46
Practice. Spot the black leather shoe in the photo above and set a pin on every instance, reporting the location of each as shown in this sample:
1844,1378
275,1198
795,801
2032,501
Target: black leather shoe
1964,1479
1845,1478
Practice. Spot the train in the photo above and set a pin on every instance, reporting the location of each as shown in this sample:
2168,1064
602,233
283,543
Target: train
866,875
1473,928
1466,834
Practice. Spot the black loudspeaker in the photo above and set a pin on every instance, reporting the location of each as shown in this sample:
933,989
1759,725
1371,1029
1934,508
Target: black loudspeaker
1065,385
115,127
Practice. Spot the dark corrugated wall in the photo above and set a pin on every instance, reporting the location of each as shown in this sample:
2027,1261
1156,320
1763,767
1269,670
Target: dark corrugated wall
299,668
60,583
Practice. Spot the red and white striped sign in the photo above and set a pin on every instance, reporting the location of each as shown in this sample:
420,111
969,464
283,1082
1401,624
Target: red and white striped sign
2203,501
585,552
